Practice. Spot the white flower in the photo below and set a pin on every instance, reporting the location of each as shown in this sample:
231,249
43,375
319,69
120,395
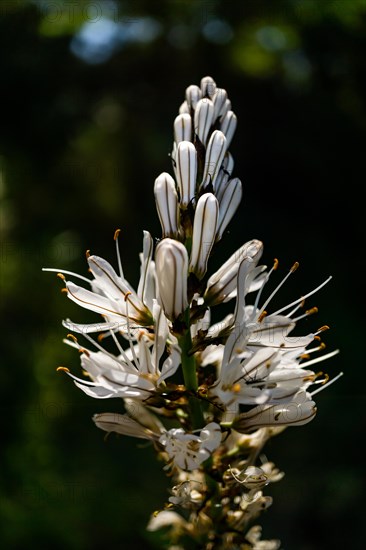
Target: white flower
300,410
254,535
222,285
112,296
188,451
243,381
135,373
167,518
187,494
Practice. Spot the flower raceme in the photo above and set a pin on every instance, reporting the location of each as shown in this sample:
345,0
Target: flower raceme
207,396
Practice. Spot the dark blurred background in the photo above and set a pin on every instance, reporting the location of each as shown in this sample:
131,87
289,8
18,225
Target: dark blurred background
89,91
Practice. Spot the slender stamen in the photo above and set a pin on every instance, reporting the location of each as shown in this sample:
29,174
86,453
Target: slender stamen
327,384
306,314
122,351
65,272
321,329
299,300
130,337
319,359
116,235
313,350
301,304
259,293
100,348
292,270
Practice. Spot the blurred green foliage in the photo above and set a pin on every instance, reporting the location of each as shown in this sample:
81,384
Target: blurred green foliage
89,93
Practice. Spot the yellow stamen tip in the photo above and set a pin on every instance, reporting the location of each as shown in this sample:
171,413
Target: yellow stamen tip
72,337
116,234
87,254
323,328
83,350
275,264
63,369
312,310
294,267
236,388
262,316
127,295
64,290
62,277
100,337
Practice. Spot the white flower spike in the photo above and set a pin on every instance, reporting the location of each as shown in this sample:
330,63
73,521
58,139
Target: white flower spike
206,396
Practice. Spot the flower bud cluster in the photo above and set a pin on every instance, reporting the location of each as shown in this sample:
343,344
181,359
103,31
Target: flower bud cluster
196,208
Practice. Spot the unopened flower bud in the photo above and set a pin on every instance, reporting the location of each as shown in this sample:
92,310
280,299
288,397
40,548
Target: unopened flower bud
225,108
215,153
171,263
219,100
193,95
224,174
166,199
208,86
186,159
204,233
228,126
229,203
183,128
184,108
203,118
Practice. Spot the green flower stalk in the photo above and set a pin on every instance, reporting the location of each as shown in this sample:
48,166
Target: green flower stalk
208,396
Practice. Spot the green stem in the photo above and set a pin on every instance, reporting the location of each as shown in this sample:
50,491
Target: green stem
190,374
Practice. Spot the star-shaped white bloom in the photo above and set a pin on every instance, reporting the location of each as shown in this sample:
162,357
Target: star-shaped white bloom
135,373
188,451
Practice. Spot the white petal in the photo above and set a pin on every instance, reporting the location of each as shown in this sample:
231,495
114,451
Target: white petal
122,424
